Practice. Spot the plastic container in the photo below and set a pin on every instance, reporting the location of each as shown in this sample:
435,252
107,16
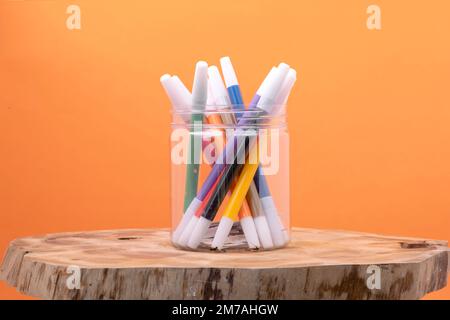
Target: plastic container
230,179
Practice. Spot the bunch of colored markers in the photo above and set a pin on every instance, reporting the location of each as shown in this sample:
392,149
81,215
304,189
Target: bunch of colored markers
250,202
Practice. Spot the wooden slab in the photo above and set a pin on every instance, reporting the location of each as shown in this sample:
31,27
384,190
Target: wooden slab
142,264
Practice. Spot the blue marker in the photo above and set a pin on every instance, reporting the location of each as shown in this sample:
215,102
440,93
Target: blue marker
232,84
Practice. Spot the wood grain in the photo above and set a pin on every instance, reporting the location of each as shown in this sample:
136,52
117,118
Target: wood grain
142,264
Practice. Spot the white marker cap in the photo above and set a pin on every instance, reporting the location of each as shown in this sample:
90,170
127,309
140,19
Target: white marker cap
178,94
165,82
250,233
184,95
223,230
190,211
263,232
164,78
200,86
186,234
286,87
269,94
269,77
198,233
274,222
218,89
228,72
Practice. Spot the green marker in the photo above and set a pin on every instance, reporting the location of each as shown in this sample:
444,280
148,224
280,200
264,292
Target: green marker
199,97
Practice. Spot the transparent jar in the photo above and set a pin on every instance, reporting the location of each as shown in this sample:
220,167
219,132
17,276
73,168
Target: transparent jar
230,179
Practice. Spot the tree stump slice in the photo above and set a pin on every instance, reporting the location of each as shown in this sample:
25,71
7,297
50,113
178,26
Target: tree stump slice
142,264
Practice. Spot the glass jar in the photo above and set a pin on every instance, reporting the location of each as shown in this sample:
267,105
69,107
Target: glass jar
230,179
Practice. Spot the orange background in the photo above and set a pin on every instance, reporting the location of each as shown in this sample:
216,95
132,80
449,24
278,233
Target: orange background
84,123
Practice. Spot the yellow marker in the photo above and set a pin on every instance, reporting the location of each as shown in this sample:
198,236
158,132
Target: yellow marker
237,199
240,190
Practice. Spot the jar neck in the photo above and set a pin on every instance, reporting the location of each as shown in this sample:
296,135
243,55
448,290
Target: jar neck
226,118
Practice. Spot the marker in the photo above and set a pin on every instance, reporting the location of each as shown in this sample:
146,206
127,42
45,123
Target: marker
223,102
279,233
199,96
181,100
245,215
211,118
252,195
264,107
235,202
260,220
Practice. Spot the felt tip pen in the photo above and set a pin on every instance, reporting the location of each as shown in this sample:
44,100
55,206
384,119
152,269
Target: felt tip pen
253,198
199,97
253,201
279,233
212,118
198,101
260,221
181,99
265,106
245,214
235,202
220,97
236,98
